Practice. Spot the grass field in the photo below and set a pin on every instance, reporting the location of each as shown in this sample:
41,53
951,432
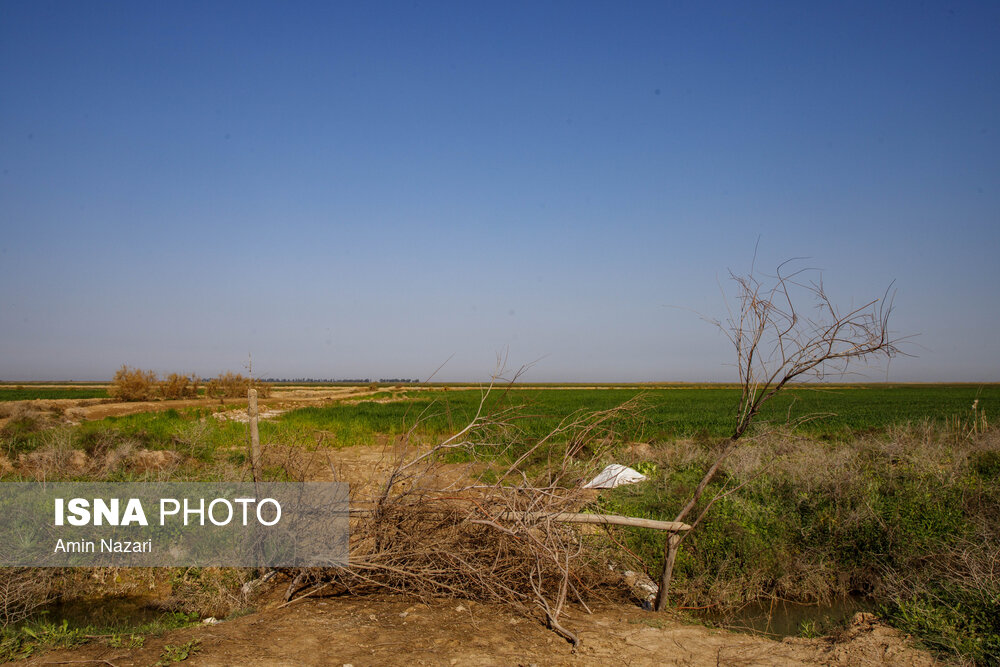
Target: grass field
872,490
835,412
28,393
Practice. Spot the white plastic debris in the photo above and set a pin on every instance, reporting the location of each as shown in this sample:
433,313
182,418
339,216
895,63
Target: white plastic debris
641,585
615,475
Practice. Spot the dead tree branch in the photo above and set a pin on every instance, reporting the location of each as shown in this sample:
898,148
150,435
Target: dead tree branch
778,343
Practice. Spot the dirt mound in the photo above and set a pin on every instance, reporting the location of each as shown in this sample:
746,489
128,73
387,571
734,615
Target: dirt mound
60,458
244,417
867,642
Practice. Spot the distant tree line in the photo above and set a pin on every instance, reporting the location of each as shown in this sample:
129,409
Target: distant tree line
341,380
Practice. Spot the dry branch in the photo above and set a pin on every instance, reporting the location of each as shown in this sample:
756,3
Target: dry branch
574,517
776,344
577,517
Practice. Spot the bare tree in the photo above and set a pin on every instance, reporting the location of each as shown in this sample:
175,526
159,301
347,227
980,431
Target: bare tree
778,343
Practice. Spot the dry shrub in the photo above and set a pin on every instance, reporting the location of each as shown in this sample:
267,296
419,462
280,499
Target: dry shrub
35,414
137,460
58,458
209,591
54,459
437,529
132,384
234,385
179,386
22,591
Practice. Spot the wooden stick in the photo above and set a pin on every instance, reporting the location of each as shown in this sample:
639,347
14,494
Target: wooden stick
578,517
254,434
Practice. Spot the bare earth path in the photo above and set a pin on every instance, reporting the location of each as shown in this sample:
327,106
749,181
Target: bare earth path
395,632
75,410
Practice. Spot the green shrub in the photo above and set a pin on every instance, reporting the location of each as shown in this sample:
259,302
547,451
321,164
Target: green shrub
986,464
909,518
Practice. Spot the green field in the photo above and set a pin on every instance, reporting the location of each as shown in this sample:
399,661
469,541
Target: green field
889,495
28,393
663,413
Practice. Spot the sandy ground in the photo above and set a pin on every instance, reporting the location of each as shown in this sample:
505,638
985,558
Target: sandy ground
394,632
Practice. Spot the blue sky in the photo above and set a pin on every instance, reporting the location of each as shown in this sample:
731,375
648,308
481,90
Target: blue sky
370,189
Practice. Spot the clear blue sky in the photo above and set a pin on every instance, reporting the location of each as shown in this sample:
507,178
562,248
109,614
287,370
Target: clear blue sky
369,189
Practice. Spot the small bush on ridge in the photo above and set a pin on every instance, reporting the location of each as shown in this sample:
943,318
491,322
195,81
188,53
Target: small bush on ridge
234,385
132,384
179,386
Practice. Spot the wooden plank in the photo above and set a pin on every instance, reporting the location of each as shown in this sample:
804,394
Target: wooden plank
578,517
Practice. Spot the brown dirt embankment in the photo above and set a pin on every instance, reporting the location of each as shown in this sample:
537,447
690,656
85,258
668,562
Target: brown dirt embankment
393,632
76,410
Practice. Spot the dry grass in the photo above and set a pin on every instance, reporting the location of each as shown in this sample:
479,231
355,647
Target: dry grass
58,459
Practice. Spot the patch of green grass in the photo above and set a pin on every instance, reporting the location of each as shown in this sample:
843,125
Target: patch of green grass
184,431
179,653
21,434
163,623
130,641
26,639
986,465
951,621
23,642
205,444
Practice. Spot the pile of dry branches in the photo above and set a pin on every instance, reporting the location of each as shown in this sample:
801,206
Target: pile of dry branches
434,528
22,591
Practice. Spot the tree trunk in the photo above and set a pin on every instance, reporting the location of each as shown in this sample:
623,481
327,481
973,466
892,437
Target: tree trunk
673,541
670,547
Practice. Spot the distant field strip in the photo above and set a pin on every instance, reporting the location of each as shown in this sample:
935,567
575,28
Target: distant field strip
666,412
28,393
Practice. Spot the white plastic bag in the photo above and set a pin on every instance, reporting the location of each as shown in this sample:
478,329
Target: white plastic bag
615,475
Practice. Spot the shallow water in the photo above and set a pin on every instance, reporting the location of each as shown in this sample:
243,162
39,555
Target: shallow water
110,612
790,619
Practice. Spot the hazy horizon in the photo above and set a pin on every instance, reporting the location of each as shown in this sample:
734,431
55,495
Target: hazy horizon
360,191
